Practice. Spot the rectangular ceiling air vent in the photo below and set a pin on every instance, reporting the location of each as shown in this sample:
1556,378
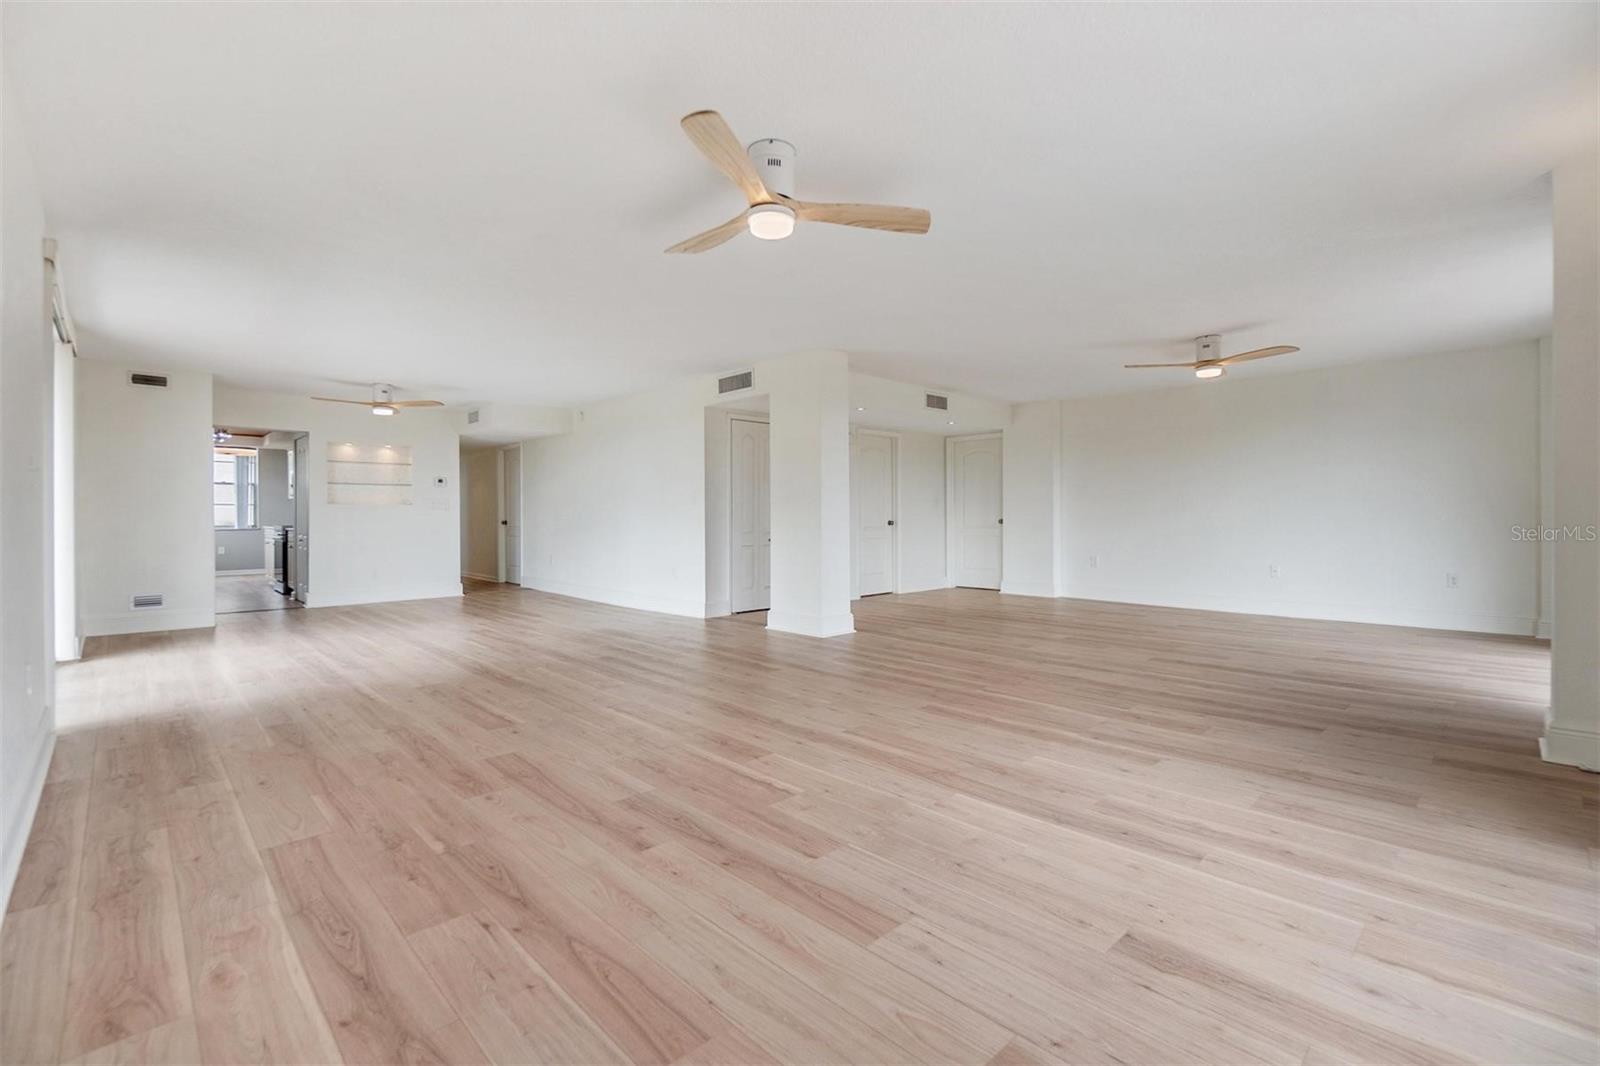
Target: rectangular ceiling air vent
735,382
472,417
154,381
938,403
149,599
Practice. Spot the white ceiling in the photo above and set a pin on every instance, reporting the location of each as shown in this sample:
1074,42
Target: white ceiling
471,200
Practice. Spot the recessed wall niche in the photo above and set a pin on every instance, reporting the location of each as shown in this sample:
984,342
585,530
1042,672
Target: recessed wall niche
373,474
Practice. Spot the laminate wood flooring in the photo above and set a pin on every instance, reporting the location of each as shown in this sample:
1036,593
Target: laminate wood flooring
520,828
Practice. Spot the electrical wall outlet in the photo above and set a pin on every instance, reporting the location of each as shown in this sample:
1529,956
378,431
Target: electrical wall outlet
221,550
1273,571
1451,581
1094,562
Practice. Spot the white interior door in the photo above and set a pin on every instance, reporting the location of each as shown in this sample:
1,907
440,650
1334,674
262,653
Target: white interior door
977,513
751,517
302,518
511,511
875,540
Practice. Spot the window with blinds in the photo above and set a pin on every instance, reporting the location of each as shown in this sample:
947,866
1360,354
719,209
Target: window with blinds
233,488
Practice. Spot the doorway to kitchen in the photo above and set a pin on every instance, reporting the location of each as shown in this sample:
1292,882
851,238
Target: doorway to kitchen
260,515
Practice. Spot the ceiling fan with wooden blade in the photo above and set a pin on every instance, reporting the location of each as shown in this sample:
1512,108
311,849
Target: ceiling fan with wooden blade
383,401
764,173
1208,364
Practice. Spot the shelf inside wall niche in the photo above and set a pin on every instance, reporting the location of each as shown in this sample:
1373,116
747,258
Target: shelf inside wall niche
370,474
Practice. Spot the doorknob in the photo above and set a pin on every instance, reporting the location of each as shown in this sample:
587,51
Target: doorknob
504,522
891,521
1000,521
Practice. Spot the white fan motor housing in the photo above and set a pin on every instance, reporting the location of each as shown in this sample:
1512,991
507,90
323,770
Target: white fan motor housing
774,160
1207,347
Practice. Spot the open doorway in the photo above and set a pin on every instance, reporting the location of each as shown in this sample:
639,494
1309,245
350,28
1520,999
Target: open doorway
260,514
491,514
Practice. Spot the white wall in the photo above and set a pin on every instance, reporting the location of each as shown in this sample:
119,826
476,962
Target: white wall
614,511
144,499
810,454
1572,734
1030,553
631,506
1547,487
240,550
480,513
364,553
64,503
27,660
1364,485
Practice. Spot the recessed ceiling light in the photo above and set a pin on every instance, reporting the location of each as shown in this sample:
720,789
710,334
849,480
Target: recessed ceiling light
860,408
949,423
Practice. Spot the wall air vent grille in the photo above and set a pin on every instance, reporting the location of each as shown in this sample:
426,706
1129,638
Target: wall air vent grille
938,403
154,381
472,417
735,382
149,599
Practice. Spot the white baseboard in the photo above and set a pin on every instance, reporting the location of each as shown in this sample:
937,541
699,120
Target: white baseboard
1571,747
149,620
718,608
482,577
352,597
811,625
241,573
1409,617
1028,588
618,597
16,834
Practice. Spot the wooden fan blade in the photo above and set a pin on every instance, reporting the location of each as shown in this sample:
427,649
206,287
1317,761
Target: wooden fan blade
330,399
416,403
867,216
702,242
1258,353
1150,366
717,143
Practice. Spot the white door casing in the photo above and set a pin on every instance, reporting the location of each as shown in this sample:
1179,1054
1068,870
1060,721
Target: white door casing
750,516
302,517
874,483
511,512
976,512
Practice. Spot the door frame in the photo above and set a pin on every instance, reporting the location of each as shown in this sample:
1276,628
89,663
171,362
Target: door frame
500,515
302,495
951,533
894,508
764,420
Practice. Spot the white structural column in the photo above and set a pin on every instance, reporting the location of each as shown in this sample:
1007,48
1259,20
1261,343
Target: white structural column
810,447
1030,538
1572,730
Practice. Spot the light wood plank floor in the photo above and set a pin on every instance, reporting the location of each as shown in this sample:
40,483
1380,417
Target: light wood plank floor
238,593
521,828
